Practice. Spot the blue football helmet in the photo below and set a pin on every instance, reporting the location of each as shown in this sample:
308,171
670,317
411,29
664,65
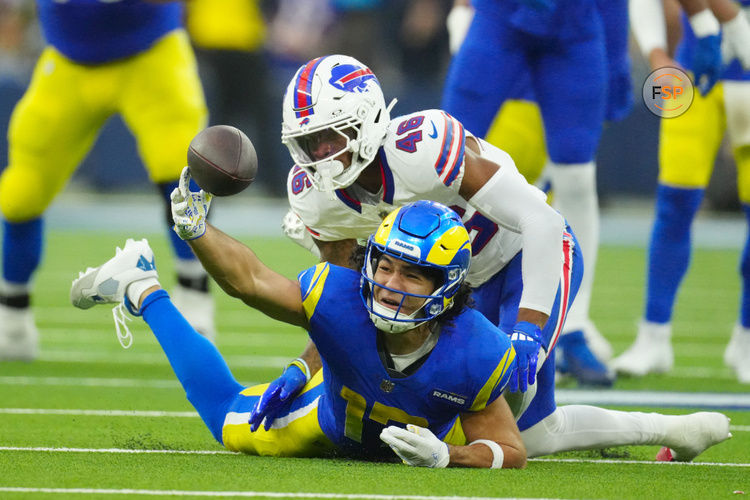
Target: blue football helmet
430,236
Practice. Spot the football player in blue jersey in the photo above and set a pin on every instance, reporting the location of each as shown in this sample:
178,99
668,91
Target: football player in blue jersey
402,356
129,57
688,146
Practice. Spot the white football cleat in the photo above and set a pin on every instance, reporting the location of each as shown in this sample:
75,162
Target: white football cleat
650,353
737,353
198,309
19,337
691,435
108,283
731,356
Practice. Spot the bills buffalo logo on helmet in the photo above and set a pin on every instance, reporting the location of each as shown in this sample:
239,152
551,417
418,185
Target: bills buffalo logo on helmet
351,78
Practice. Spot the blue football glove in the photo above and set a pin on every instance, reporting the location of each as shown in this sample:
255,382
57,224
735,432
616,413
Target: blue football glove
706,63
527,340
279,392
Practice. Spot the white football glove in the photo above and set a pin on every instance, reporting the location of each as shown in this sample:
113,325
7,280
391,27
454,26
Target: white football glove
458,22
189,209
416,446
735,41
295,229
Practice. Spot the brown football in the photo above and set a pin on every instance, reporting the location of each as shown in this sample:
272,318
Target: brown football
222,160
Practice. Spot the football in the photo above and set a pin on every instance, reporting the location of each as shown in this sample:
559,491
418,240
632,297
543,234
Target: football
222,160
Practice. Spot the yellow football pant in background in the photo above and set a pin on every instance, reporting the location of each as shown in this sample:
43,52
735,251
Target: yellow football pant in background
688,144
53,127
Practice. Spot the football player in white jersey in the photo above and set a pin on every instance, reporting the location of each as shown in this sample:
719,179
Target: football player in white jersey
354,165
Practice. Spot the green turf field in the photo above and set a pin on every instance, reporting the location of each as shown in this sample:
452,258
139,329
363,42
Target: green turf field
91,420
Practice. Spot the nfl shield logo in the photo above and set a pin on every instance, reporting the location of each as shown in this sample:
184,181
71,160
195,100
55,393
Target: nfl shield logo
386,385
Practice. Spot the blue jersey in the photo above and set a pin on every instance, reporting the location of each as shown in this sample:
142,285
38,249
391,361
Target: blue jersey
685,49
466,371
95,31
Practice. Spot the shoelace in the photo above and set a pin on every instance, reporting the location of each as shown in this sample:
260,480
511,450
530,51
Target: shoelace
121,318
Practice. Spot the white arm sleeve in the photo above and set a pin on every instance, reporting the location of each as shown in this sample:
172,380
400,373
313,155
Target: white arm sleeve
507,199
648,25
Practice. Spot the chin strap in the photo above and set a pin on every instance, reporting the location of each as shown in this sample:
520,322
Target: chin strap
402,323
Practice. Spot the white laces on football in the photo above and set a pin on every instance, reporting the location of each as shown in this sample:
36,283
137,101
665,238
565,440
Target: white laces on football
124,337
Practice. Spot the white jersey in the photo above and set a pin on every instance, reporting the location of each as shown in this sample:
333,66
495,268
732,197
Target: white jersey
422,158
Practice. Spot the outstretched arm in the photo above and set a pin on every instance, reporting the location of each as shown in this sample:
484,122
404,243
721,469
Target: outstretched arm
241,274
233,265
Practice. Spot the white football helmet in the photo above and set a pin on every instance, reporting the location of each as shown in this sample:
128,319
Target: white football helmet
339,94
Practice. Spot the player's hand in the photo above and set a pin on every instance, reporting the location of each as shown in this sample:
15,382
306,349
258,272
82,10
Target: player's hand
276,395
458,22
189,209
735,42
527,340
416,446
706,62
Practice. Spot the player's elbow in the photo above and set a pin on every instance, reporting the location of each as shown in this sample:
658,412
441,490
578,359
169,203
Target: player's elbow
515,457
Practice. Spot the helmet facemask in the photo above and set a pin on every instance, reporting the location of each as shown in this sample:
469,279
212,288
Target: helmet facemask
447,281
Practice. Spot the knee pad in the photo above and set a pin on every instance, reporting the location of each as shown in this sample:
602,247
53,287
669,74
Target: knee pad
24,194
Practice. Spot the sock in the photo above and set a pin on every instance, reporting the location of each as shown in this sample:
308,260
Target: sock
581,427
669,249
22,252
203,373
745,274
575,198
136,289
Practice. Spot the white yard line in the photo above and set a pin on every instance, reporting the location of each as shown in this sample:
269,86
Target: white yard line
653,398
91,382
247,494
159,414
225,452
150,358
100,413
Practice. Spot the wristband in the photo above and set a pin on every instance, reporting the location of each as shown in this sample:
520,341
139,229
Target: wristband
497,452
302,365
704,24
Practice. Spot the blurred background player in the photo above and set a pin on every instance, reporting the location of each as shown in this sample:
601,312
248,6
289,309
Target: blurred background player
550,31
133,58
507,39
228,37
688,146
